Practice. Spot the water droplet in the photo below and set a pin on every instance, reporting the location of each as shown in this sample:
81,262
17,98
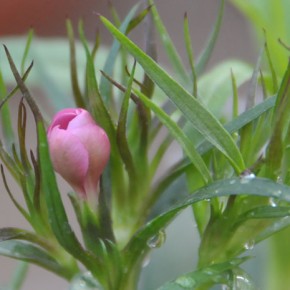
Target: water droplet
247,176
157,241
273,201
241,282
209,272
277,193
250,245
185,282
279,179
85,281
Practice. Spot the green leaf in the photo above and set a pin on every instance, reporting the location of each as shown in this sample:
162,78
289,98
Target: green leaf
233,186
19,276
26,50
215,87
28,252
205,55
190,56
281,122
180,137
192,110
73,66
270,16
233,126
214,274
6,123
242,120
169,47
272,69
105,86
137,19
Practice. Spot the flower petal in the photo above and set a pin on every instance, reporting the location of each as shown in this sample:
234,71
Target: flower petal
69,157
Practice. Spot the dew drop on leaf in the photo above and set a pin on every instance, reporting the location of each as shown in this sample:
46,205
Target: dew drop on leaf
85,281
185,282
279,179
277,193
158,240
250,245
273,202
247,176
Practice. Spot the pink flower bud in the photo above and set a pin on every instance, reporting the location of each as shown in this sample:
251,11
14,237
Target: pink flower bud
79,150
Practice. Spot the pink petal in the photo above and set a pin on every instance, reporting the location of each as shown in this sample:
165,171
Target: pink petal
69,157
97,145
82,118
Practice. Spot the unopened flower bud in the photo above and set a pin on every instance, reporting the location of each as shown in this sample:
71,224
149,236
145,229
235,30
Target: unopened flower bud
79,150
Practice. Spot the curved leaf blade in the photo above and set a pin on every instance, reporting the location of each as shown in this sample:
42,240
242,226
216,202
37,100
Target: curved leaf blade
215,273
180,137
28,252
233,186
192,110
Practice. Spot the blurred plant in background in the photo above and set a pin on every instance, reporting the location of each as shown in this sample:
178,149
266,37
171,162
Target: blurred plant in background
235,166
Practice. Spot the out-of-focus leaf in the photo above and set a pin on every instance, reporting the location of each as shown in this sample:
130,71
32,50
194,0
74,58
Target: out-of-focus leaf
192,110
137,19
105,86
215,87
19,276
190,56
73,66
169,47
214,274
270,16
26,50
206,53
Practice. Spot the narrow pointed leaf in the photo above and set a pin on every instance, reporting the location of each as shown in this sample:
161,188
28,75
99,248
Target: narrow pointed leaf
205,55
170,49
105,86
28,252
73,66
122,135
190,55
180,137
137,19
192,110
281,121
6,123
26,50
